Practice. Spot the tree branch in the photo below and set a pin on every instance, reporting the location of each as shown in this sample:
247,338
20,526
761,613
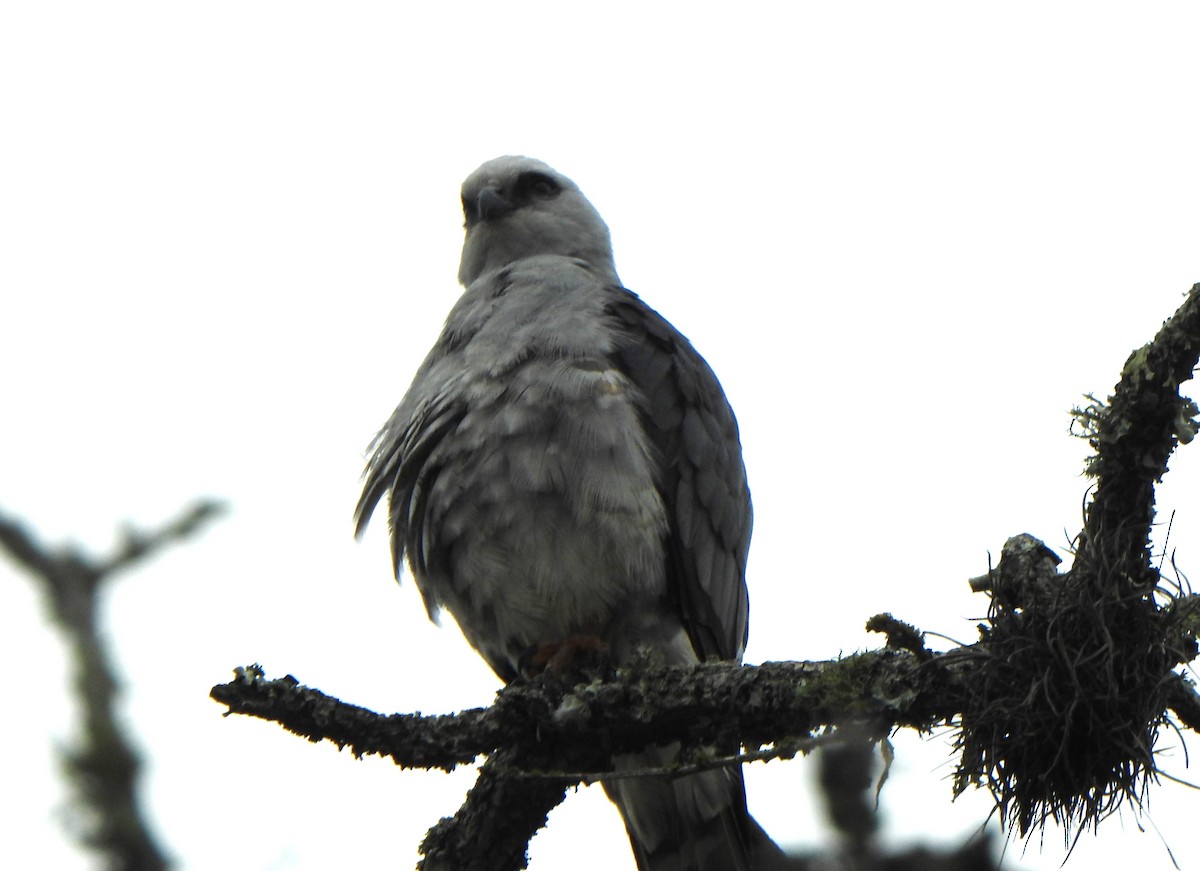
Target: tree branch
579,727
541,734
1133,436
493,827
104,768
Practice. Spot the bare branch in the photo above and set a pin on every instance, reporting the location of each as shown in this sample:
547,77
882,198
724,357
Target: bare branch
104,769
137,545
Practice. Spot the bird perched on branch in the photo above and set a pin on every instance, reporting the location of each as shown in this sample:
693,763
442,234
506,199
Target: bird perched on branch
565,466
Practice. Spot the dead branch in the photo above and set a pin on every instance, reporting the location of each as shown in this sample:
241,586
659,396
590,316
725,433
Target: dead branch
580,726
104,768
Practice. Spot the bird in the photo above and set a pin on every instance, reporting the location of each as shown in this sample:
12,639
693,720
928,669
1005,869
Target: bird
566,466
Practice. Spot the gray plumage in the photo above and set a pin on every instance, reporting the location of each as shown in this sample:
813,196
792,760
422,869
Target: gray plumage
565,464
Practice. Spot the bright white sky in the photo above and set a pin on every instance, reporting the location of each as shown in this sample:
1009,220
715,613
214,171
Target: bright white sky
907,237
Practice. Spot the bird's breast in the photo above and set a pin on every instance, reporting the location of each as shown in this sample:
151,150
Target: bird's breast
544,518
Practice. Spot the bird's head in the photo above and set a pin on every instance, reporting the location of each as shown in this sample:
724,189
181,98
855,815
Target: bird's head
518,207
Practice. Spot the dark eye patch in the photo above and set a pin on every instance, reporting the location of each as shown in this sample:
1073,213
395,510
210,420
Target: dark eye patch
538,185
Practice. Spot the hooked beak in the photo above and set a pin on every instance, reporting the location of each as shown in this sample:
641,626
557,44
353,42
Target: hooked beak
492,204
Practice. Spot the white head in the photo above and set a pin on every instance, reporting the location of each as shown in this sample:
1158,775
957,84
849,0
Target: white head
517,207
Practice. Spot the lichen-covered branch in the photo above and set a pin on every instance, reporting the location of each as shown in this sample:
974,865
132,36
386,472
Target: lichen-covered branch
493,827
104,768
1133,435
1061,726
578,727
540,734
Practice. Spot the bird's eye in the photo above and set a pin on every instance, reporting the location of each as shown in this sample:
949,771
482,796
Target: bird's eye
536,184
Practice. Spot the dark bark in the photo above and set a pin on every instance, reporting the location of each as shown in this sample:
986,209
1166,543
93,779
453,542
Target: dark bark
1133,435
104,768
574,729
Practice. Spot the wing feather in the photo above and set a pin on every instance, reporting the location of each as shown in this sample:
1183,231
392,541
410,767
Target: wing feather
403,465
703,480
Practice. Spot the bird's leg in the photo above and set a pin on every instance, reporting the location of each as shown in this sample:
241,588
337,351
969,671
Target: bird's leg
581,652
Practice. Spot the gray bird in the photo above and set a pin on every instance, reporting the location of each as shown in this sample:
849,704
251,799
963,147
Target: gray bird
564,466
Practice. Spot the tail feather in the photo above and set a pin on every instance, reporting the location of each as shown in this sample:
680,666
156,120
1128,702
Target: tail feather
698,822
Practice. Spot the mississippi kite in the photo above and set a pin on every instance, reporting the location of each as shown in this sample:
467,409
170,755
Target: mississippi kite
565,465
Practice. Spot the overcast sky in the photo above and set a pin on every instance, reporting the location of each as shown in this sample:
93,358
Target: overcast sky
907,237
